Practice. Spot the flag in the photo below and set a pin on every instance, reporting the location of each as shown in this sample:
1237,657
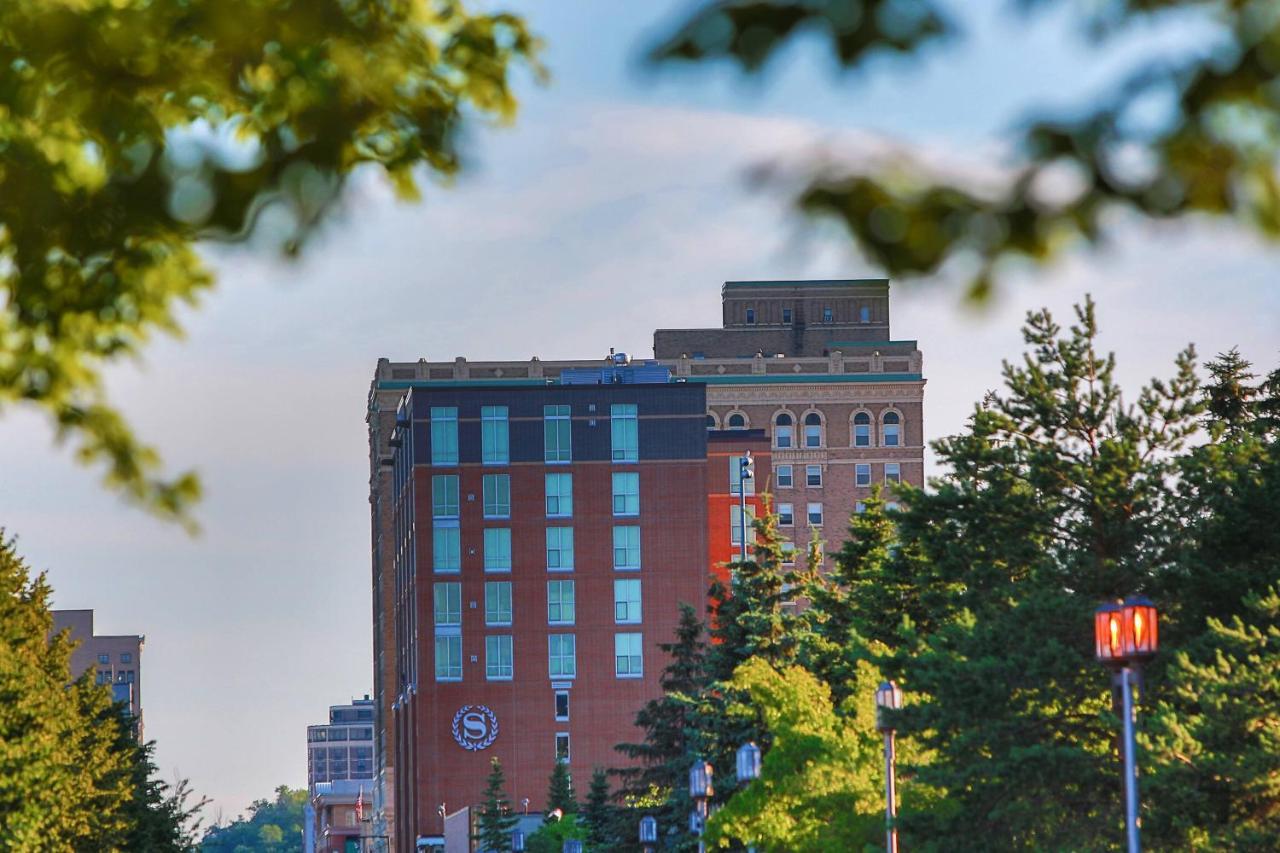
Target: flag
360,805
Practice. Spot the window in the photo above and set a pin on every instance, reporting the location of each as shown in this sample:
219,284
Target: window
559,495
448,601
560,548
446,547
497,495
104,676
862,474
711,421
623,425
864,314
786,515
890,506
813,475
626,493
626,601
449,658
626,547
893,472
628,655
497,603
892,429
786,316
126,657
735,525
735,471
862,430
788,553
784,476
562,655
827,315
104,659
562,747
444,435
557,434
560,604
782,431
497,658
495,444
815,515
813,430
737,421
751,316
562,706
859,507
444,496
497,549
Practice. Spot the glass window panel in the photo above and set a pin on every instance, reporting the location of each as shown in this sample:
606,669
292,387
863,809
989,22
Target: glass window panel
497,603
497,495
813,475
628,655
626,547
560,603
626,601
735,465
560,548
559,495
497,549
624,431
557,433
497,657
735,525
448,603
862,474
562,655
449,658
893,472
815,514
786,515
446,547
444,435
444,496
626,493
784,476
495,445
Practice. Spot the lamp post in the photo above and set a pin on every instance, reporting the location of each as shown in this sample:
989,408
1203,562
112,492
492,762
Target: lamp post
648,832
700,791
1126,635
517,842
889,699
746,471
572,845
748,769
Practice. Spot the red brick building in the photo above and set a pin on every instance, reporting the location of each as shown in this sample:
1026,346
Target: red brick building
725,448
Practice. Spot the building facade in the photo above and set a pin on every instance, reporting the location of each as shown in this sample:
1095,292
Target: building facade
342,748
115,659
805,374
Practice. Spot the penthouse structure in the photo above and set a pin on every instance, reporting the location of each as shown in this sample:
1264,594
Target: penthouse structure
485,477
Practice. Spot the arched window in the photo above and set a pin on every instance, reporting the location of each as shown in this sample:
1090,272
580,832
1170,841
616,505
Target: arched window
862,430
711,421
813,430
737,421
783,431
892,429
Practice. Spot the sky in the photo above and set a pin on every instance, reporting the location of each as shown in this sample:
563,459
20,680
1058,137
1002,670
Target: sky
616,204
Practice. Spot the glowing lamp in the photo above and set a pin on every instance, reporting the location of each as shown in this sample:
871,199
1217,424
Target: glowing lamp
700,780
1126,632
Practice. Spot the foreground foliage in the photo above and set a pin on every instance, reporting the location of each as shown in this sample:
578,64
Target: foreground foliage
130,129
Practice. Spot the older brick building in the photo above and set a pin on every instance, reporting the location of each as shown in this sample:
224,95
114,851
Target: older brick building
808,369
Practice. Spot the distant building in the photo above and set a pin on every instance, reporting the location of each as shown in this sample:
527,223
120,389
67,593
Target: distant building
339,818
115,659
341,749
535,523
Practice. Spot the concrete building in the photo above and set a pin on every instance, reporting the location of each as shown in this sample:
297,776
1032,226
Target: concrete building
342,748
115,659
806,372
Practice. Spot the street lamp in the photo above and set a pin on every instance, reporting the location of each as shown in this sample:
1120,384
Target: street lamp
746,471
1126,634
748,769
572,845
888,700
700,791
517,842
648,832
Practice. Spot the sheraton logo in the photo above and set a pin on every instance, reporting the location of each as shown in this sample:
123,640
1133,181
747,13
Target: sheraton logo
475,727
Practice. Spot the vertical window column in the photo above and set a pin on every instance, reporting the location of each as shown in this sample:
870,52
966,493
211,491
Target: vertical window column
446,544
495,440
624,431
444,435
557,434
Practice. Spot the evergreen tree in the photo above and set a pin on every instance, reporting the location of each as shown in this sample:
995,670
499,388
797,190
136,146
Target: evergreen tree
1214,743
496,820
64,787
597,813
560,790
267,819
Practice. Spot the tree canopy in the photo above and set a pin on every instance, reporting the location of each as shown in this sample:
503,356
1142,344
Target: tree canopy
132,129
271,826
1213,155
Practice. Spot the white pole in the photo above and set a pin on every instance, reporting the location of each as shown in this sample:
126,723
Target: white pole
890,794
1130,763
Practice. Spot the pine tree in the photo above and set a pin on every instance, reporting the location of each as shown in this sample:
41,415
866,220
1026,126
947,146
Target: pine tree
65,787
496,820
560,790
597,813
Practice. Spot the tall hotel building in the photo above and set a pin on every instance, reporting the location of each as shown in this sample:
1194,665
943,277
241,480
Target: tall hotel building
536,524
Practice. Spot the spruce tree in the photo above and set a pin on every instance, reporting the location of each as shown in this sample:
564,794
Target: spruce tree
496,820
560,790
597,813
